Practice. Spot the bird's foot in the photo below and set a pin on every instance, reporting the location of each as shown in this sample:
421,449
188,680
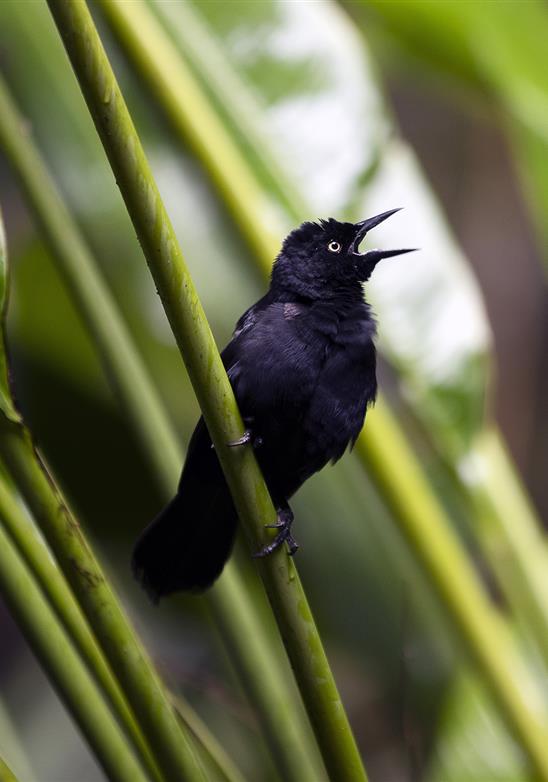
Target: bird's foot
283,523
247,437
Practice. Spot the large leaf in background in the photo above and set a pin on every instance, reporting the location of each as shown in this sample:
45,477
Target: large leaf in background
493,50
297,71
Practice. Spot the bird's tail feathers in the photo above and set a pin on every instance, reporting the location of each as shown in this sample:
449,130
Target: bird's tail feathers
184,548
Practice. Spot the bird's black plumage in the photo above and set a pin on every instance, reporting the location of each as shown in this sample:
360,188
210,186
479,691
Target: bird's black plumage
302,365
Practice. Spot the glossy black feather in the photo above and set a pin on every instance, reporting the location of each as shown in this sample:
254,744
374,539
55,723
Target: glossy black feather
302,366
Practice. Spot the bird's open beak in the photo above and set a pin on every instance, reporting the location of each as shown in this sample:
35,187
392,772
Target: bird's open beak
374,256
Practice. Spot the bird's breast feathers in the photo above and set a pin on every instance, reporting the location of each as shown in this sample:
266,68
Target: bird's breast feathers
281,353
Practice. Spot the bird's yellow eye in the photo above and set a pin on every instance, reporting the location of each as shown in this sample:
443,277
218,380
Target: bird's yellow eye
334,247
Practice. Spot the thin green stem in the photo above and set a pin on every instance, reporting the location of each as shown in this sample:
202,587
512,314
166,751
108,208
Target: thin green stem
54,586
124,652
210,382
240,626
63,665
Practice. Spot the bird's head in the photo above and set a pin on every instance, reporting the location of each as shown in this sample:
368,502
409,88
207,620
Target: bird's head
318,259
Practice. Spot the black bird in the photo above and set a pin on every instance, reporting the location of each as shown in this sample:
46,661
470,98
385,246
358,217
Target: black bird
302,365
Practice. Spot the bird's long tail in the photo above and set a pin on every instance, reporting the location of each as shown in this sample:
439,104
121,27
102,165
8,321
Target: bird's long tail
186,546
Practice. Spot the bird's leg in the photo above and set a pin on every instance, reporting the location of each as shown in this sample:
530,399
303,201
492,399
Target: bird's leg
247,437
284,520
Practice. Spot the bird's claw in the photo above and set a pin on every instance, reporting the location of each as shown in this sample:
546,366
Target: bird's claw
247,437
283,523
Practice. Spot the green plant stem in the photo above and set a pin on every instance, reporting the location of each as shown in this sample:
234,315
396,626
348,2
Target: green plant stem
124,652
240,626
72,680
193,118
407,494
210,382
215,753
38,558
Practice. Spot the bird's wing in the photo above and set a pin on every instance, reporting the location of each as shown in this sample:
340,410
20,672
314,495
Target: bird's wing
273,357
346,386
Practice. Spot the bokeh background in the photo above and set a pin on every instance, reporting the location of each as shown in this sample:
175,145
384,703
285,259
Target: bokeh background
356,107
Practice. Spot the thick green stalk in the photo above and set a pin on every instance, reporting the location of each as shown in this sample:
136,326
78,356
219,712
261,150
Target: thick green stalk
124,652
210,382
241,628
64,667
191,115
38,558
